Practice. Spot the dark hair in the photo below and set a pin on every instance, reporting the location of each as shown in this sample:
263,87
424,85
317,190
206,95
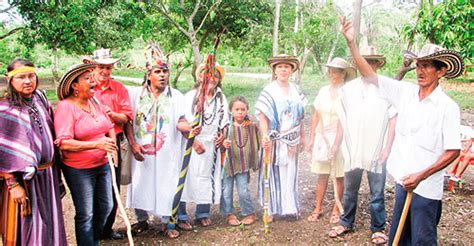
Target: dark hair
13,96
438,64
238,99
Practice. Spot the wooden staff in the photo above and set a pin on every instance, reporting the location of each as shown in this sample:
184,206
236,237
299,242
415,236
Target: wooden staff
119,200
403,217
266,160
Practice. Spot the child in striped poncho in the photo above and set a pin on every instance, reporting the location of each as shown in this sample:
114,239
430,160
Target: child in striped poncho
242,147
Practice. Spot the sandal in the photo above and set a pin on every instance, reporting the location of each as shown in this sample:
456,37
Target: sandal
139,227
172,233
338,230
184,225
205,222
249,219
334,218
232,220
379,237
314,216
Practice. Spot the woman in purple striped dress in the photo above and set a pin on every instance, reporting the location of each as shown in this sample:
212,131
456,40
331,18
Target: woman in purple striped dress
31,212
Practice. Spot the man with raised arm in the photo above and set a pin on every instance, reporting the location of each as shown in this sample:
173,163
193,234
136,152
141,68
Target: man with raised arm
427,137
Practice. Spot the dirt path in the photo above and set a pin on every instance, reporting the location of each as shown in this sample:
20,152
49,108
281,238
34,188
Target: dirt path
455,228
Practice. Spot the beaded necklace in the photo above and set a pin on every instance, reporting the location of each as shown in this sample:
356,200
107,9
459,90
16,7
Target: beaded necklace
34,114
246,138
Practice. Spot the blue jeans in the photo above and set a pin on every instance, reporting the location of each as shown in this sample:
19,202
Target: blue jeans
142,215
91,191
352,181
227,198
202,211
422,219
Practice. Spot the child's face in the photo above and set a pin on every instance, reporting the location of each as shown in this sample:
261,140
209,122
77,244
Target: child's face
239,109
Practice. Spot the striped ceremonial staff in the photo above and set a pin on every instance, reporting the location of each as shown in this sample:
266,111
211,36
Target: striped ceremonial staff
266,187
209,72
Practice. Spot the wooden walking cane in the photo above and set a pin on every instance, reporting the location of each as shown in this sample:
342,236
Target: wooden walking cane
119,201
403,217
266,187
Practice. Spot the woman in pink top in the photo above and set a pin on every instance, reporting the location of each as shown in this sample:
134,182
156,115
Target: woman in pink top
85,134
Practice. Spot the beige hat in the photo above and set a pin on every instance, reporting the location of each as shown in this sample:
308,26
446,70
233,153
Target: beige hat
283,58
101,56
452,59
337,62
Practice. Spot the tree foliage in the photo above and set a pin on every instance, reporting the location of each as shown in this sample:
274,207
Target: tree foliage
448,24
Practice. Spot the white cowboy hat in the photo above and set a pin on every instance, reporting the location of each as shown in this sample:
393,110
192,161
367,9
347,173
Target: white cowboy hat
101,56
337,62
452,59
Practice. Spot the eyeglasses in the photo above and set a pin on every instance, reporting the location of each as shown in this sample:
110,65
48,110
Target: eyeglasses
23,77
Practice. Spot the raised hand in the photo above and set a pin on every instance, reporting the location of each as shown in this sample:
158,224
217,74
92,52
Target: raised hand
347,29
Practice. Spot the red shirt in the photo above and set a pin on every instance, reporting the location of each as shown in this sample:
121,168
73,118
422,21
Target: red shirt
116,97
74,123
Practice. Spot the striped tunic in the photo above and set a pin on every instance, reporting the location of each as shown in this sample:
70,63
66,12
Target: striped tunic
26,140
243,152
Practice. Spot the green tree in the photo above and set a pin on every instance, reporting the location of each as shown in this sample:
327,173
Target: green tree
448,24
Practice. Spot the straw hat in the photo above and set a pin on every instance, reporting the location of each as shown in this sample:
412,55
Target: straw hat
67,79
283,58
101,56
452,59
337,62
202,66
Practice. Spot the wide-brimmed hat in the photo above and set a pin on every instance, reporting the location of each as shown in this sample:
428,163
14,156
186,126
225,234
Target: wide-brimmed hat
452,59
337,62
67,79
101,56
202,66
283,58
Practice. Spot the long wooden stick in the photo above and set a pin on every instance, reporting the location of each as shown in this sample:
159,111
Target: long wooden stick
266,160
403,218
119,201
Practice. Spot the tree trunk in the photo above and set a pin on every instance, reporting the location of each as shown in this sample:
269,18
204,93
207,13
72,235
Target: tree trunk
356,16
276,23
196,51
54,66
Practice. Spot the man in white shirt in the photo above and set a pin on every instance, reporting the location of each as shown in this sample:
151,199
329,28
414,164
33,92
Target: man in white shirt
427,137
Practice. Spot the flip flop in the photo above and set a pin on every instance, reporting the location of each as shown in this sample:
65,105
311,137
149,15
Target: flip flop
338,230
184,225
172,233
249,219
205,222
379,237
232,220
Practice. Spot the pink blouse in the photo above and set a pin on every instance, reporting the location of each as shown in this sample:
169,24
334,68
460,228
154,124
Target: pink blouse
71,122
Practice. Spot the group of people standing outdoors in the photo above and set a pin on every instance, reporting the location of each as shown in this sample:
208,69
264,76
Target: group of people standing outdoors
371,123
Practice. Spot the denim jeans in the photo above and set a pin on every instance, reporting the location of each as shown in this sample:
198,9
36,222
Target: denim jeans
202,211
91,191
352,181
422,219
142,215
227,198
